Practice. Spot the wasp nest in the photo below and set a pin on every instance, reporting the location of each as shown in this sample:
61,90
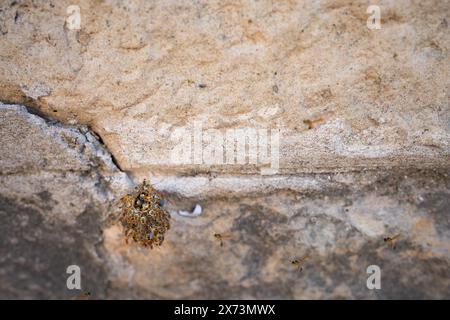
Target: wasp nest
143,217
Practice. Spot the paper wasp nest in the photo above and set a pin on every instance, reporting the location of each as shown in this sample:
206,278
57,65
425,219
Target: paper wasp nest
143,217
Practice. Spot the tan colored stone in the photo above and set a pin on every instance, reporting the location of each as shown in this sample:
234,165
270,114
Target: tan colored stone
137,71
364,146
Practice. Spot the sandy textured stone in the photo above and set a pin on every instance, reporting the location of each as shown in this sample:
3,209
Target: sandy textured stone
136,75
86,114
341,226
57,185
54,216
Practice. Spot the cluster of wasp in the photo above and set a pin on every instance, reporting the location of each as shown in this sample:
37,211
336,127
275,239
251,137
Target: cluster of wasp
143,216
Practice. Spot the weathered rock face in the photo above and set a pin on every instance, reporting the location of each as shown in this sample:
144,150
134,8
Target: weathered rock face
357,119
138,71
341,227
54,214
57,186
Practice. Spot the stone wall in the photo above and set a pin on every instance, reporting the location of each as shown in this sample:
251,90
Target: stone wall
359,117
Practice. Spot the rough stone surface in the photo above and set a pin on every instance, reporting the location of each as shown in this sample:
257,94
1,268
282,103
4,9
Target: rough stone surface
86,114
57,186
341,226
135,75
57,215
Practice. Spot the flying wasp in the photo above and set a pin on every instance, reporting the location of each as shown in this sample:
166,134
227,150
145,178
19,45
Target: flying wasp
312,123
391,241
220,237
299,262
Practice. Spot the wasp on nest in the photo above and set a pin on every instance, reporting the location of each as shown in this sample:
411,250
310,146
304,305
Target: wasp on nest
143,216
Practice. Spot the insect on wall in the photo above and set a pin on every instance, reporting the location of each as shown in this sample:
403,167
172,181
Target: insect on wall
144,219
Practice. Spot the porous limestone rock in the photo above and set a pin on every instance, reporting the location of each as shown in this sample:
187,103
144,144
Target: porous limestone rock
137,71
87,113
55,213
58,186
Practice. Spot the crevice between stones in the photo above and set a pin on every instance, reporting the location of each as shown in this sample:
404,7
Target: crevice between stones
32,109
